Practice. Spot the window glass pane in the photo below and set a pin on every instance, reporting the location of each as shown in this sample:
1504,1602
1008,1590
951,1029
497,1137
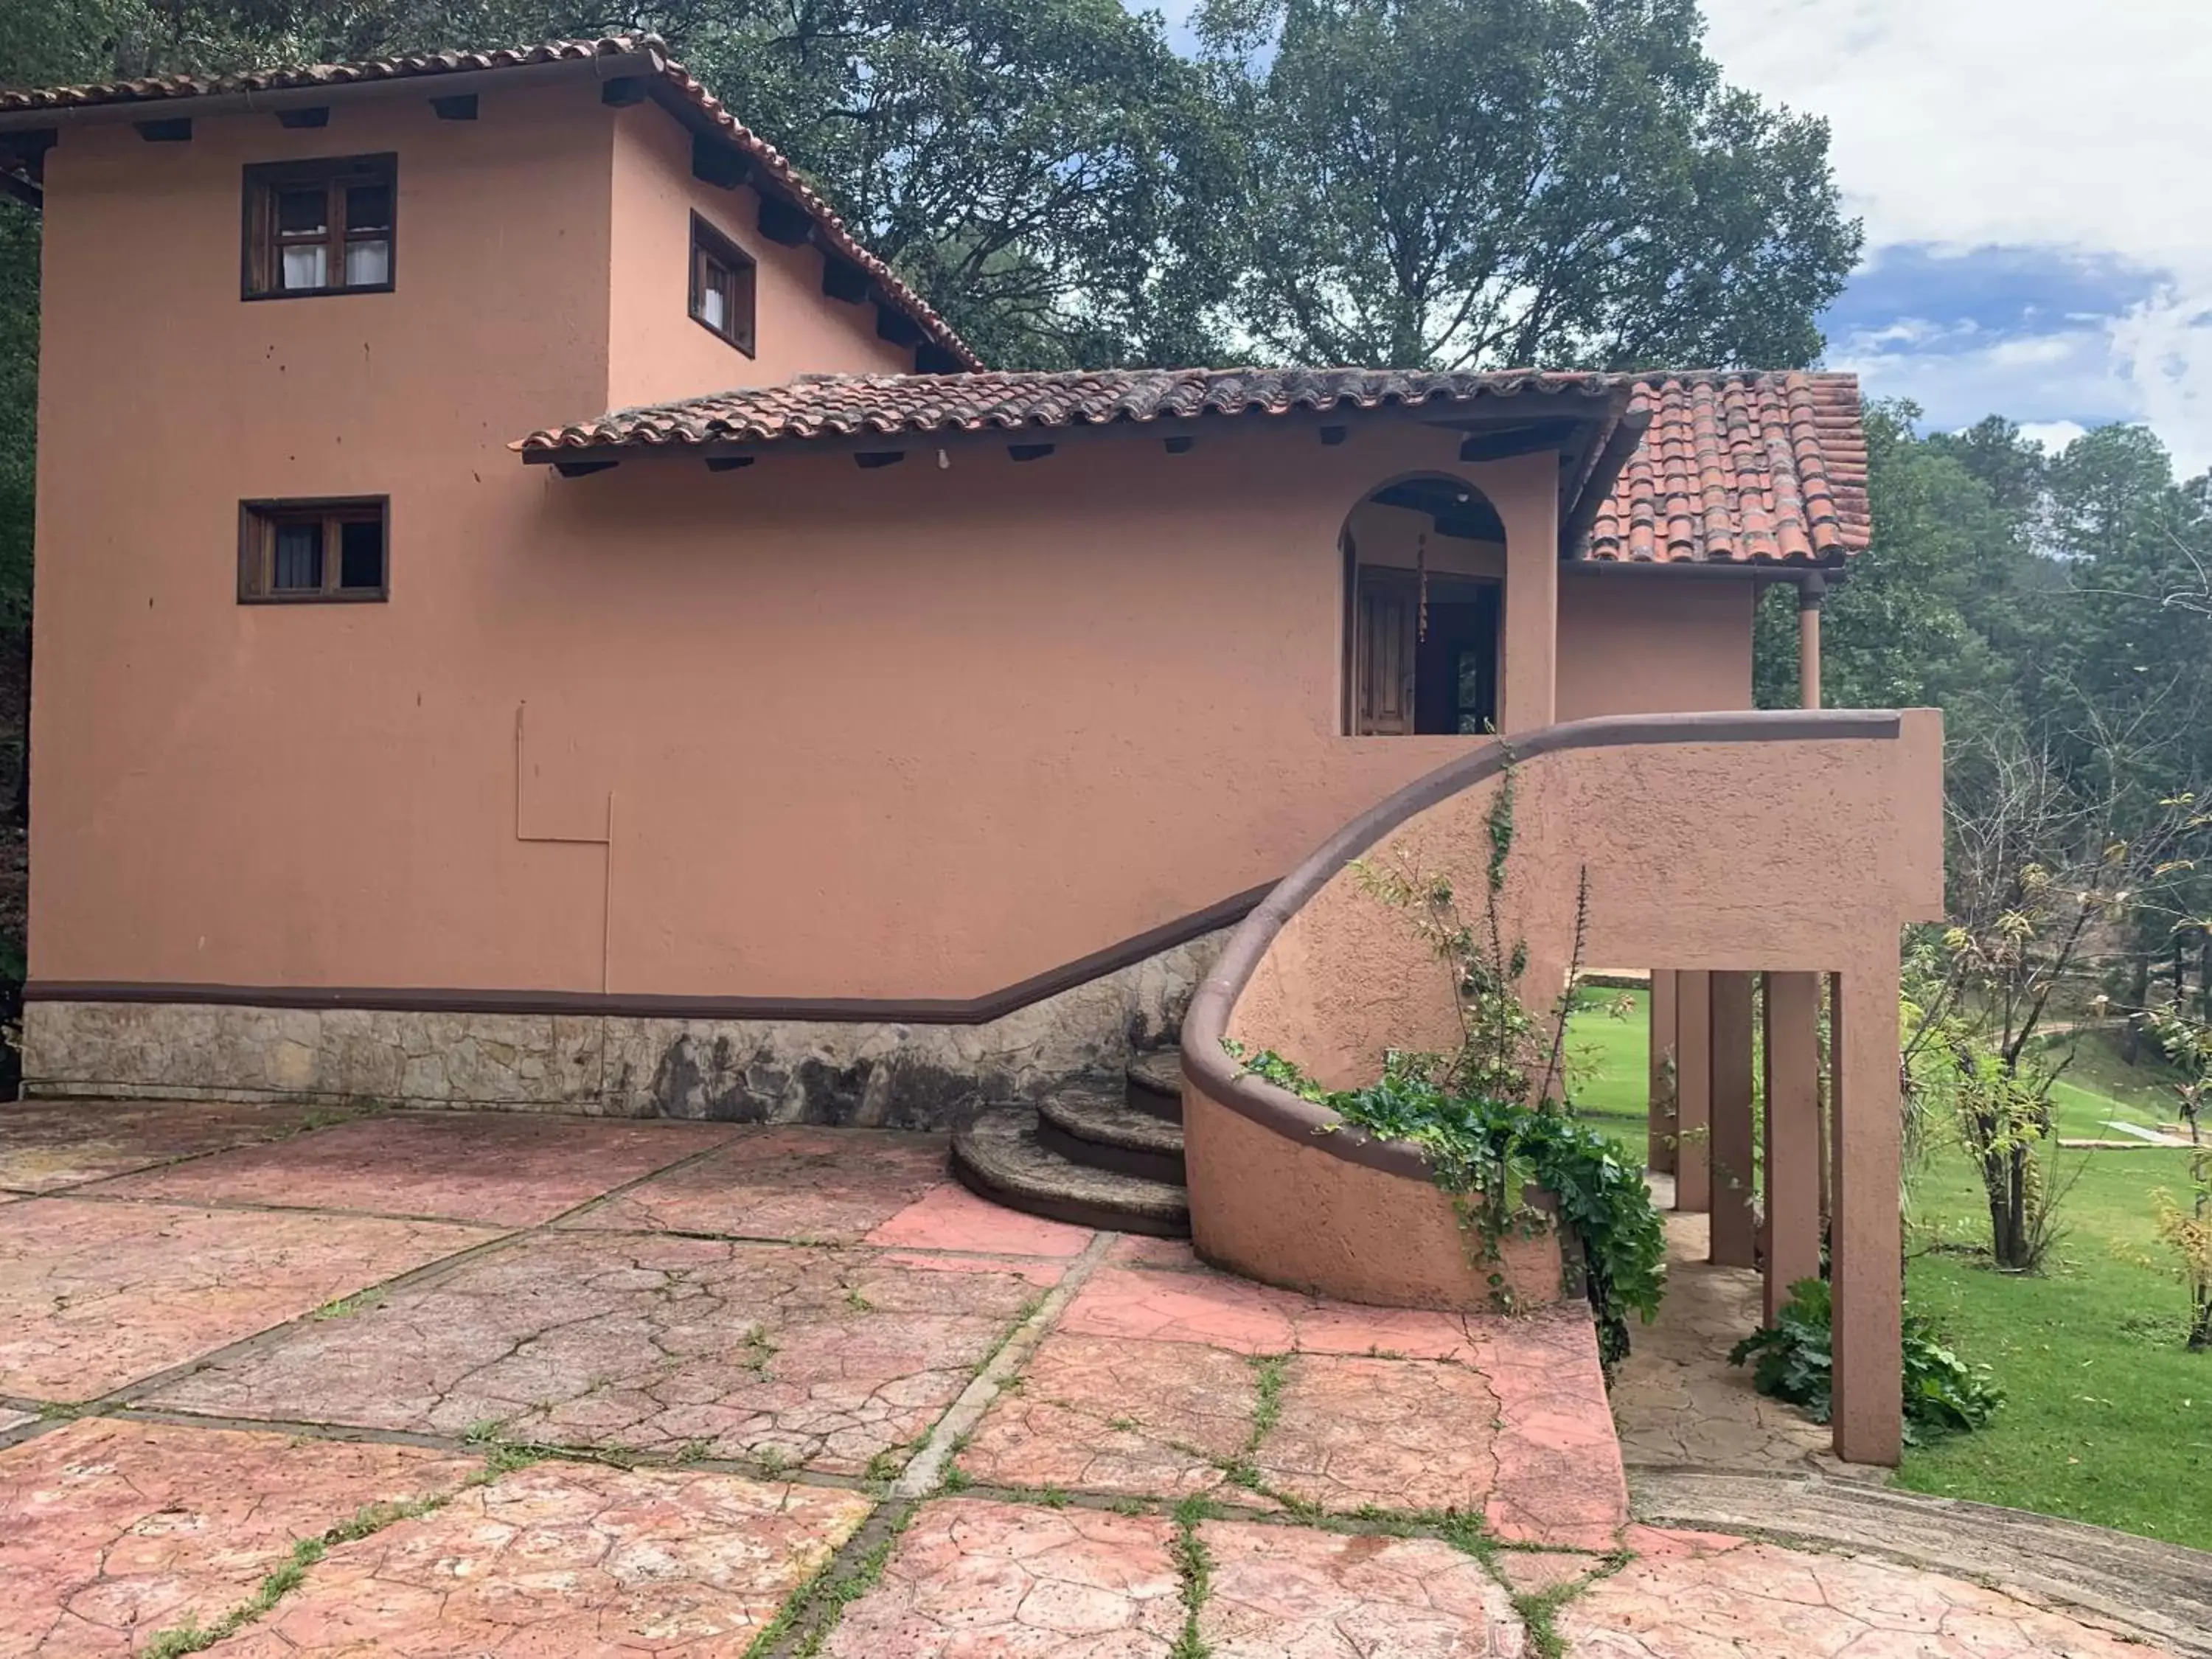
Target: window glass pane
368,207
306,267
361,555
303,211
367,263
713,304
299,559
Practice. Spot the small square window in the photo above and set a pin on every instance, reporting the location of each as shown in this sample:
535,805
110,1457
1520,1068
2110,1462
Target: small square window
721,285
293,551
320,226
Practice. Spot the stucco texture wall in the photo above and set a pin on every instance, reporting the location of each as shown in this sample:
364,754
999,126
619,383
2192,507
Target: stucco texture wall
917,731
1652,643
657,352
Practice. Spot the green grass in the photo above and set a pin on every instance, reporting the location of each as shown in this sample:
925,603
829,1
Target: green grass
2108,1419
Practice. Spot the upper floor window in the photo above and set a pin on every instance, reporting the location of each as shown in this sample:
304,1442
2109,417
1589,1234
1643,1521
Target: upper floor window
306,550
323,227
721,285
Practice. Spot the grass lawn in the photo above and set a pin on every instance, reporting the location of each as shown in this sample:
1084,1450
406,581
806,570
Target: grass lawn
2108,1419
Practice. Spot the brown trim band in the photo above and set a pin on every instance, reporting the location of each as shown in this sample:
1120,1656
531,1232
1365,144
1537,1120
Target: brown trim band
1207,1064
945,1011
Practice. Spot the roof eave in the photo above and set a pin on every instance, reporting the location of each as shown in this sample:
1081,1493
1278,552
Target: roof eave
417,83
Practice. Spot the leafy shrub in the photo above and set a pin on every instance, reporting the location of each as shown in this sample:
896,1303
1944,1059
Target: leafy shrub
1943,1395
1487,1152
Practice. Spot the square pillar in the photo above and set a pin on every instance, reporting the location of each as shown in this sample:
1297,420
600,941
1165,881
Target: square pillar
1659,1146
1795,1184
1865,1238
1734,1198
1694,1091
1526,493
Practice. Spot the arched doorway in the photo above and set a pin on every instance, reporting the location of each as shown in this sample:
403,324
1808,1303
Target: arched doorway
1424,610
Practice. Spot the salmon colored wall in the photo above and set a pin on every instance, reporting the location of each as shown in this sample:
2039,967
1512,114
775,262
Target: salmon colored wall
902,733
295,793
1652,644
658,352
1804,855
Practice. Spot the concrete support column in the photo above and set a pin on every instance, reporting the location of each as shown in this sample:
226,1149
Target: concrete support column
1864,1239
1694,1091
1529,670
1794,1180
1659,1153
1735,1224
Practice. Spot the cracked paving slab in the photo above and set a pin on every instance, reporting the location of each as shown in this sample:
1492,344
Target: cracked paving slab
973,1579
951,1218
45,1144
829,1358
1235,1314
94,1296
506,1170
1560,1476
797,1184
1147,1419
110,1531
1291,1592
1698,1597
567,1558
1356,1434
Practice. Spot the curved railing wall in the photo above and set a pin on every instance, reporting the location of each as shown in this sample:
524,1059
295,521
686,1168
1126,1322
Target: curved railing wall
1784,841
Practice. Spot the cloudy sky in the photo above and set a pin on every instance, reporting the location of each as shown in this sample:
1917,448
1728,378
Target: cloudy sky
2036,180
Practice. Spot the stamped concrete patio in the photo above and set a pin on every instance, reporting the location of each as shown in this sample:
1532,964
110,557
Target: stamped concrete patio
276,1383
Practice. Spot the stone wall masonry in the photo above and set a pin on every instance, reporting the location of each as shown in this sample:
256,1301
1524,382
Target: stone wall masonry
867,1073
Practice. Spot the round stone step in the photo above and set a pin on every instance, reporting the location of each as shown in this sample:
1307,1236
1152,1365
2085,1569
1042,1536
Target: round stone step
997,1157
1155,1083
1096,1126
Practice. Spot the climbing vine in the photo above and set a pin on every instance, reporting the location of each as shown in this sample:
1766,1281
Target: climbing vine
1492,1118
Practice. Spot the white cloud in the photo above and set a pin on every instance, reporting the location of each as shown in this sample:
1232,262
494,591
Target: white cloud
1969,123
2051,436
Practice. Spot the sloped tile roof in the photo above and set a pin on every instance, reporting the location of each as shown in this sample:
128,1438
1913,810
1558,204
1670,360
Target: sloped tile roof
854,405
1740,468
1734,468
672,83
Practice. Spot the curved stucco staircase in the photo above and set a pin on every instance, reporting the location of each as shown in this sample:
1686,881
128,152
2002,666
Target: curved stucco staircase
1785,841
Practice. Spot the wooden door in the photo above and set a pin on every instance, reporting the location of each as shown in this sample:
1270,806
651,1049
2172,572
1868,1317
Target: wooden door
1388,602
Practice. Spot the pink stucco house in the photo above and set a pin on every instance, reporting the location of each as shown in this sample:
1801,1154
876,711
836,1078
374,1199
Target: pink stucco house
839,731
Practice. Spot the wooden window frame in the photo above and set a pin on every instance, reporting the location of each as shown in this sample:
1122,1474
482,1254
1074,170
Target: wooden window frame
258,524
711,247
260,263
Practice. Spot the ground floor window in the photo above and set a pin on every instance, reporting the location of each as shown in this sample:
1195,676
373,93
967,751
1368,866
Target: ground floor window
290,551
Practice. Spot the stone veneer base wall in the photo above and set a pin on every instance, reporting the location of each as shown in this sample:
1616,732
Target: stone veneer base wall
880,1074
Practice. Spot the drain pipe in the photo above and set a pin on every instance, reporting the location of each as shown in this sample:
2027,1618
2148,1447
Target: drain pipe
1810,593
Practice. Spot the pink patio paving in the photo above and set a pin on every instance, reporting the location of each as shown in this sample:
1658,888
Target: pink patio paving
1367,1482
110,1531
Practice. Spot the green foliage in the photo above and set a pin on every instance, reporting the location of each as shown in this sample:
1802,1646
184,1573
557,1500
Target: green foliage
1943,1395
2185,1228
1488,1153
1458,184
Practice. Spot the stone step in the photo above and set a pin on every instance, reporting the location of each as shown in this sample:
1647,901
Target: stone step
997,1157
1097,1126
1155,1083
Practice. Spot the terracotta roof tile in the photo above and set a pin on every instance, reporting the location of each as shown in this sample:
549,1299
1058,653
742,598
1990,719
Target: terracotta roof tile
1734,467
1779,461
852,406
674,83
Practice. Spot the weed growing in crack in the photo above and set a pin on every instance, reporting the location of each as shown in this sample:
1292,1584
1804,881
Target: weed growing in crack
825,1596
482,1432
1132,1506
1269,1372
774,1464
954,1480
856,1302
693,1449
56,1411
885,1464
1194,1567
1122,1424
1054,1497
758,1352
347,1306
